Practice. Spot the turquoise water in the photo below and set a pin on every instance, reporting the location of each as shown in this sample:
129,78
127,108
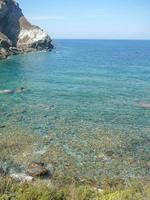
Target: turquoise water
80,87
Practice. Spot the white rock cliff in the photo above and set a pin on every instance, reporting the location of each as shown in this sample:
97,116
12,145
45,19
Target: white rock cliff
17,35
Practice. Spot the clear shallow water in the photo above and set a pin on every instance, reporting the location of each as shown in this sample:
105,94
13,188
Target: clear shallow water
79,88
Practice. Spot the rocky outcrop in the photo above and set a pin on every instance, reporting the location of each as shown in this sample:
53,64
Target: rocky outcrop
17,34
38,169
5,44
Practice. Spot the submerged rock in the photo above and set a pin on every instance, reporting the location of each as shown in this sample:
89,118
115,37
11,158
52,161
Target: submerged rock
17,34
20,90
38,169
144,104
104,158
147,165
2,172
2,126
109,153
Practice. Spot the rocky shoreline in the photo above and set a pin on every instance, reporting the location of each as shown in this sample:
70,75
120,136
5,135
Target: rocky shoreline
17,34
35,170
22,186
33,160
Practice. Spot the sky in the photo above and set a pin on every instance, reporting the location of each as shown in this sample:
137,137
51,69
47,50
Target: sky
90,19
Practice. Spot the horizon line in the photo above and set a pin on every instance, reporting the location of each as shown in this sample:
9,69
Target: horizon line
97,39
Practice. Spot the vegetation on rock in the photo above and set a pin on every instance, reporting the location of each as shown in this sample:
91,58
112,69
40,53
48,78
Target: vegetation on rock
11,190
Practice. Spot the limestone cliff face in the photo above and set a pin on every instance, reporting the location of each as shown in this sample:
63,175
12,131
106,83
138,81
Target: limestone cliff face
17,35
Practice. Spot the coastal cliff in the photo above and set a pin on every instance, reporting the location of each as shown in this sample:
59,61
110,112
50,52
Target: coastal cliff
17,34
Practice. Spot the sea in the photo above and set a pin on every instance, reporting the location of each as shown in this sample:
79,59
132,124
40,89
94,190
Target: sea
91,98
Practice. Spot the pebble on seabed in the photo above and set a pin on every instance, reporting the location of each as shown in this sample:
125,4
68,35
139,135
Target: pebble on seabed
2,126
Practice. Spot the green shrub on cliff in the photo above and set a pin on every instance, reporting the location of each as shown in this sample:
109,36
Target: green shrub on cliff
10,190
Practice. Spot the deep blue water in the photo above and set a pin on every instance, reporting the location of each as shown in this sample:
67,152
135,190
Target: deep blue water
82,85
